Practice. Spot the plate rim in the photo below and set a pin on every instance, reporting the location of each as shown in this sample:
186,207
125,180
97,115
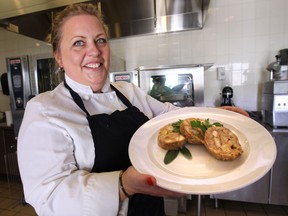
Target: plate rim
204,188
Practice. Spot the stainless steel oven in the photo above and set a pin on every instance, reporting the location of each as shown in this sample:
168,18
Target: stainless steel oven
27,77
181,85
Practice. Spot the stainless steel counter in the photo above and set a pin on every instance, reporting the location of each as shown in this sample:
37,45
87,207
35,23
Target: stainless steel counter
273,187
257,116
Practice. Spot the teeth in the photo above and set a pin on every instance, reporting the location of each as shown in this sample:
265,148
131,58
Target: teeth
93,65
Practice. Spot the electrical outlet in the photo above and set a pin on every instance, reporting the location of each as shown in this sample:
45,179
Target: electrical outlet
221,73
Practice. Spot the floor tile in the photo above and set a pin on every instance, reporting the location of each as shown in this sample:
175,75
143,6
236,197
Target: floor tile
11,205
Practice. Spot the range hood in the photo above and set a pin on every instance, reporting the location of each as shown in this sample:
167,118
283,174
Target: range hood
29,17
124,17
153,16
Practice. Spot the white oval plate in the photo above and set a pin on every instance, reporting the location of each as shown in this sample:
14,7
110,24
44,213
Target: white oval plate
204,174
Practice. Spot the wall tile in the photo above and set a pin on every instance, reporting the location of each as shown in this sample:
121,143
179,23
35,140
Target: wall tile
248,28
241,35
248,10
262,8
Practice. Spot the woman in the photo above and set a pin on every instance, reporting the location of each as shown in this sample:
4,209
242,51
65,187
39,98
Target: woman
73,141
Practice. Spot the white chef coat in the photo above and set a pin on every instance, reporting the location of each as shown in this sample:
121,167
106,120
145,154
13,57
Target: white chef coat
56,150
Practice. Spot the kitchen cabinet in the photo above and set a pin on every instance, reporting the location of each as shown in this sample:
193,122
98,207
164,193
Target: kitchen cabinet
279,175
273,187
257,192
8,156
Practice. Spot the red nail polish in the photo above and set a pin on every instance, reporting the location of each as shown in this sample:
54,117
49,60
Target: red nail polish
150,181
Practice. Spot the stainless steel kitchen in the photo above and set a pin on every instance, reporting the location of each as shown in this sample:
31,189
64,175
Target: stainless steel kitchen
193,54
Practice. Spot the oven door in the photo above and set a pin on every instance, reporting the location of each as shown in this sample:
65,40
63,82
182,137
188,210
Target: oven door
177,89
43,73
173,84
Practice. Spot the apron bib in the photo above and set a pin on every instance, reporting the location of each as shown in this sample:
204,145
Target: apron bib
111,136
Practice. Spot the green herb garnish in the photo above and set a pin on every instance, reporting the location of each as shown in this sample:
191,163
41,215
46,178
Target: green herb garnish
204,125
176,126
170,156
185,152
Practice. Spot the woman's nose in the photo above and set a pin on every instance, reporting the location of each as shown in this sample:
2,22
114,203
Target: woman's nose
94,50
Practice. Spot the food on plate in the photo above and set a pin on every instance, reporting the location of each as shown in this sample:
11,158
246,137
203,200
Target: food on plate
194,135
222,143
170,139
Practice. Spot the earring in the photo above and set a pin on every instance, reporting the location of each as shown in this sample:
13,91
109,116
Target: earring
59,70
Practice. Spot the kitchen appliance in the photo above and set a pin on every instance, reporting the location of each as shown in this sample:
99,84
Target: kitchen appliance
181,85
27,77
227,94
275,103
278,70
283,56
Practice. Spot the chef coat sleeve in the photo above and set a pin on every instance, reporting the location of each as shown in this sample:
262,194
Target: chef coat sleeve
52,182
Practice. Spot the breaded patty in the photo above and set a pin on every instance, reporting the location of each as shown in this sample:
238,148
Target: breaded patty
222,143
194,135
170,140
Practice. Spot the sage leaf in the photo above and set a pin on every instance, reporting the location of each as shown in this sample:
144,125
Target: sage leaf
170,156
185,152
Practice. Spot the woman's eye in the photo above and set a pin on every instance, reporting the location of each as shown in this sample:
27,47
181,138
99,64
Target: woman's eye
79,43
101,41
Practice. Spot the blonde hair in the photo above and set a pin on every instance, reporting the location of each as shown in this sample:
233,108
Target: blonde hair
72,10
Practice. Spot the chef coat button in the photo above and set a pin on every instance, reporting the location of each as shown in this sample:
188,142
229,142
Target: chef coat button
112,97
86,97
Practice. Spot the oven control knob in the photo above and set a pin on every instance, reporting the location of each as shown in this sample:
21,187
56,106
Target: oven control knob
19,102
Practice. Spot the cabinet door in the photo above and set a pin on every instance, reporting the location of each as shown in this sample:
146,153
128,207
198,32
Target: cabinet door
279,184
8,154
257,192
2,153
10,144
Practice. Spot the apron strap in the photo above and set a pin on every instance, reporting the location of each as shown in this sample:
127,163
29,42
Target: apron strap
76,98
80,103
121,96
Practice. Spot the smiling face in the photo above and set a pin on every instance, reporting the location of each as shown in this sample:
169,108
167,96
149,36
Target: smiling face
84,52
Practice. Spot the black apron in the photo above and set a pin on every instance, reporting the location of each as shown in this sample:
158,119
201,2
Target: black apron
111,135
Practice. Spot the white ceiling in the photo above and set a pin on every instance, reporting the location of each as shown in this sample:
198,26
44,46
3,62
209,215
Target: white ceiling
12,8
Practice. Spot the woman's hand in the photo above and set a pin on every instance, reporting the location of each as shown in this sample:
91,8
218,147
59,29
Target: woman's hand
135,182
235,109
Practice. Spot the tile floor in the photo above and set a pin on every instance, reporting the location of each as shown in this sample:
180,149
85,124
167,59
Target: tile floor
11,205
11,200
233,208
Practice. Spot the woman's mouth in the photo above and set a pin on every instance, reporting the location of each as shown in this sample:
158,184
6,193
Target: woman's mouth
93,65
